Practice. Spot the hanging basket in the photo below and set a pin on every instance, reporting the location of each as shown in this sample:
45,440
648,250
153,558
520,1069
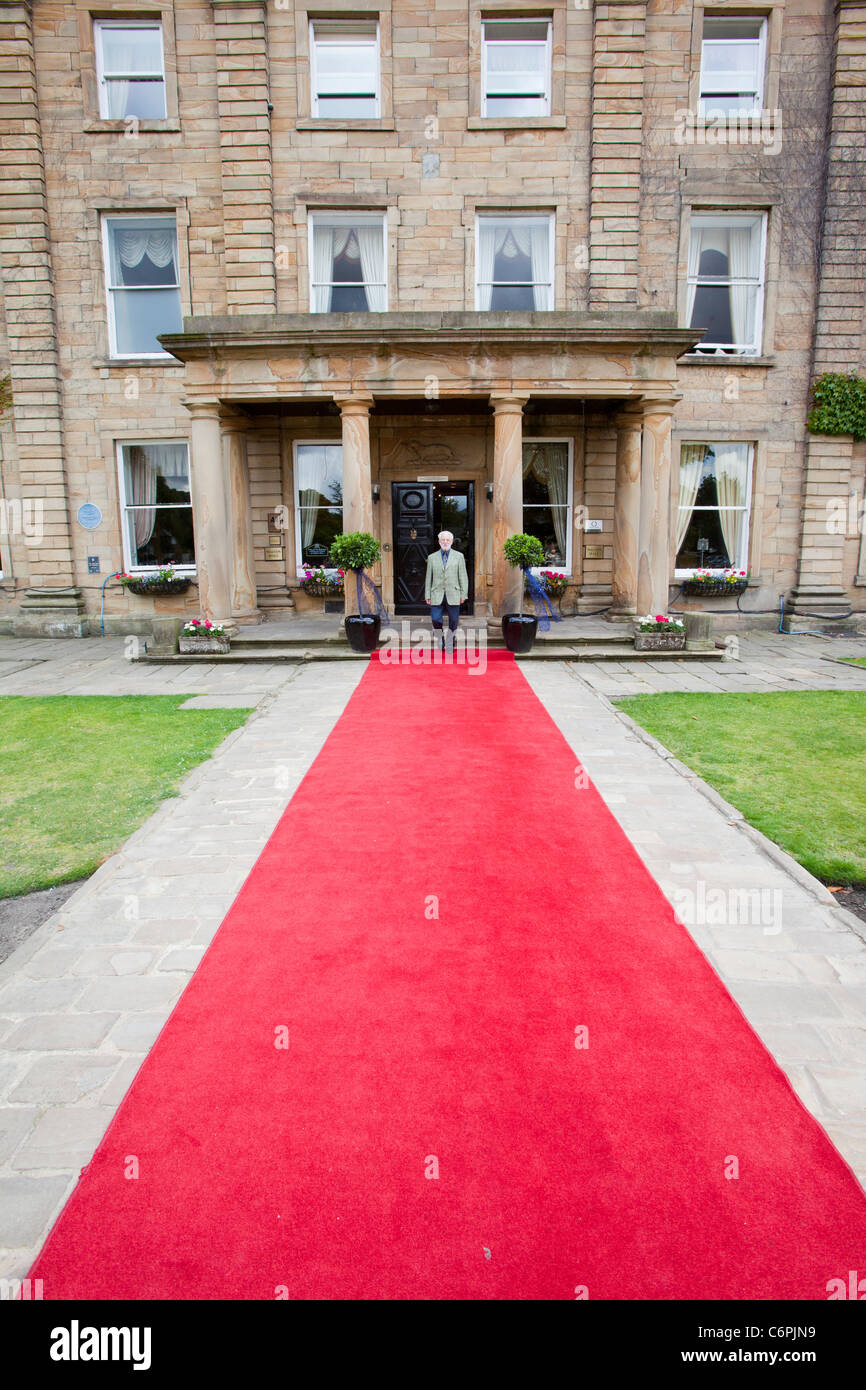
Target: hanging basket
145,588
716,588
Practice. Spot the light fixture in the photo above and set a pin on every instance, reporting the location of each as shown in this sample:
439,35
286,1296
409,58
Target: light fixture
375,492
489,491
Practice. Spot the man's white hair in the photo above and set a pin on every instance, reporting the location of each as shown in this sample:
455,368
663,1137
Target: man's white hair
449,534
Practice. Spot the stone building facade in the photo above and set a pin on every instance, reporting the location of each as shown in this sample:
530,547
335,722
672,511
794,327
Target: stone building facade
273,271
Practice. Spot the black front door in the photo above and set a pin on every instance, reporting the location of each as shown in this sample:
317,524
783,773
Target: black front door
421,511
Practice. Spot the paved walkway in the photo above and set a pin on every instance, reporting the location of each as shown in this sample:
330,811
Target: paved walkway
82,1000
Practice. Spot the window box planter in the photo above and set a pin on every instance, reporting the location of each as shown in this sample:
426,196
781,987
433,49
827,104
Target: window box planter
195,637
323,590
715,588
659,634
146,588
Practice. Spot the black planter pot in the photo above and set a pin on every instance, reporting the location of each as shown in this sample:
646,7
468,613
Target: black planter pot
518,630
363,632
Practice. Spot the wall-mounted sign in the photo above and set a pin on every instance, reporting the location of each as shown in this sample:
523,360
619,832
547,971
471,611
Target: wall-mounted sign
432,478
89,516
593,525
594,552
274,552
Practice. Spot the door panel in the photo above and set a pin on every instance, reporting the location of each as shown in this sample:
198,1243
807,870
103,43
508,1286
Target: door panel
420,511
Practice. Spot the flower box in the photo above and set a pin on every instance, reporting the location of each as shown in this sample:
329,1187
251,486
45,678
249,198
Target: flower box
310,586
717,588
145,588
659,641
189,644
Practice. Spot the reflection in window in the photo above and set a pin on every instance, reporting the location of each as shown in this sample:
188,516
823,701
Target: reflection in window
712,517
545,497
318,499
156,505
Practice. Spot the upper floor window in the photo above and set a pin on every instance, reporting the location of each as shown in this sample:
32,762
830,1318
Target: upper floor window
344,68
547,468
156,505
318,500
726,282
143,288
514,262
515,67
130,69
347,263
713,511
732,65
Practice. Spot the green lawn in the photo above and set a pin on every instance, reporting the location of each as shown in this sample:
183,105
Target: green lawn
854,660
81,772
794,763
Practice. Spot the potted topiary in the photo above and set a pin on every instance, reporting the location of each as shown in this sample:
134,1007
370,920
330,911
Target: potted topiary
358,550
519,629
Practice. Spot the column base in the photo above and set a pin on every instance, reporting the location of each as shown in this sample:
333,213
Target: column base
51,612
819,608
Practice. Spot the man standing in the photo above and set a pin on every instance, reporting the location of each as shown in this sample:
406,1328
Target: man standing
446,585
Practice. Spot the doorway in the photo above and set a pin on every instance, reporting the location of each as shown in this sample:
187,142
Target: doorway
420,511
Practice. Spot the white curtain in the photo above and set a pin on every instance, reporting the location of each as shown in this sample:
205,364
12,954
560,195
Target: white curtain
691,467
739,266
491,239
129,246
539,250
314,473
695,248
370,244
141,473
549,463
732,474
530,240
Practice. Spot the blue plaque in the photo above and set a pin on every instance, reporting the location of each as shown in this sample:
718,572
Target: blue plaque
89,516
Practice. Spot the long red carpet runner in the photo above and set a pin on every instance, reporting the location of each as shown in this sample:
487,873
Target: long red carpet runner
450,1042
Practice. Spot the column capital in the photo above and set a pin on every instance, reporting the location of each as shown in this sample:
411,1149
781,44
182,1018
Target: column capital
356,403
630,414
508,402
661,405
199,409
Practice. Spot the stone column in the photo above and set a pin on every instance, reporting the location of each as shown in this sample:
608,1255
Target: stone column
210,512
654,534
357,480
244,604
507,497
626,512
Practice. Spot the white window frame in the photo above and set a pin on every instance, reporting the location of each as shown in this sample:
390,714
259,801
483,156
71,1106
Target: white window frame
348,219
568,440
548,45
107,219
747,506
724,221
102,79
297,444
334,26
514,217
705,99
128,565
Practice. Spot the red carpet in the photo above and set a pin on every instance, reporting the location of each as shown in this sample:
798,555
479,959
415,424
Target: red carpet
417,1040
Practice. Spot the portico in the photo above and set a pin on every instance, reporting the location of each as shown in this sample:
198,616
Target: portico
428,398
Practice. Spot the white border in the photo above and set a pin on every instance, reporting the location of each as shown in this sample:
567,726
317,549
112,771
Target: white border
347,219
303,443
566,569
518,19
107,217
120,445
101,80
314,94
762,58
513,217
719,352
715,444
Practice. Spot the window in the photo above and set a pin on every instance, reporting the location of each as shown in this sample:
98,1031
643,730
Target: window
547,498
142,283
713,512
732,65
515,67
514,262
130,69
347,263
344,68
318,500
726,282
156,505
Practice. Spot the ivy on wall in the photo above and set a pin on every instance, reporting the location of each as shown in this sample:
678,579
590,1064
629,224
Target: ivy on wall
838,405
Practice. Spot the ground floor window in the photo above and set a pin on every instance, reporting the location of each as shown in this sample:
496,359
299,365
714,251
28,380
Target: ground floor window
713,512
547,498
318,500
156,505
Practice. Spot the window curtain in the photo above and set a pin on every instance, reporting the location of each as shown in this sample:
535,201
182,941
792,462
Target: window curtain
313,473
695,249
370,244
691,468
130,245
495,239
732,474
328,243
549,463
141,471
740,265
117,90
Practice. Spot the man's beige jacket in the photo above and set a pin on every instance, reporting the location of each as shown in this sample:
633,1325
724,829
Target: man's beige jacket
450,581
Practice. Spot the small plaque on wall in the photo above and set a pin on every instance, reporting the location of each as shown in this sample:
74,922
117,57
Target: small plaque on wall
274,552
593,552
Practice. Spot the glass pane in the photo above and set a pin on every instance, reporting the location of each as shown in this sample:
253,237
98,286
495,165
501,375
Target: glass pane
516,31
545,474
730,65
512,297
347,108
160,536
728,314
550,525
704,545
320,474
509,58
319,526
339,64
455,518
516,106
140,314
143,99
748,27
143,252
740,105
155,474
130,50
